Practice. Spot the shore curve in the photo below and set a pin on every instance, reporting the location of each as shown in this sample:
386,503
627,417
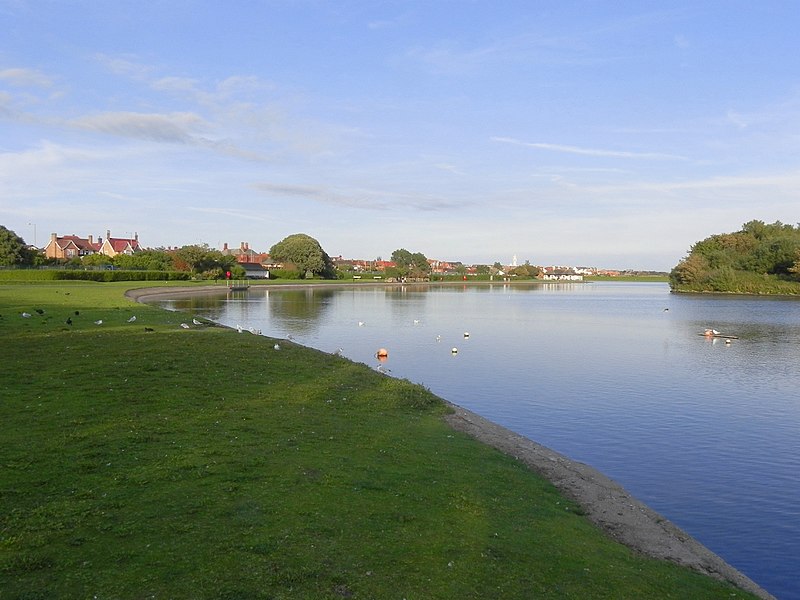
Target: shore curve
606,503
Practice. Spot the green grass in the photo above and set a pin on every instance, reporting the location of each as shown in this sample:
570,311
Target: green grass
202,463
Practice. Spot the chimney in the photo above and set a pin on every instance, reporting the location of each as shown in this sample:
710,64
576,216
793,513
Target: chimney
242,246
53,237
90,240
225,247
135,236
108,233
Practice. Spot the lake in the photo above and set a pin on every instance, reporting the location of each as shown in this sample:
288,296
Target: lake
616,375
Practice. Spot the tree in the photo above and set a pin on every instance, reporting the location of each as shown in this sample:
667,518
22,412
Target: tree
14,251
305,253
408,264
147,260
205,261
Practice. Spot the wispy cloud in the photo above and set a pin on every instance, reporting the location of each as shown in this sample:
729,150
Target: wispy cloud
126,65
357,198
229,212
589,151
25,78
173,128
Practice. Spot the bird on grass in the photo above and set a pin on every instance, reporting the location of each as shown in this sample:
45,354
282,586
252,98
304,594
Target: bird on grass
196,322
277,346
148,329
68,321
185,325
39,311
132,319
26,315
99,322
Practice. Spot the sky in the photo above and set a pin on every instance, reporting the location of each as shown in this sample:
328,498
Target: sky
592,133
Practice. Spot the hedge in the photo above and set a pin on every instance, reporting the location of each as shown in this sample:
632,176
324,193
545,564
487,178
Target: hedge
66,274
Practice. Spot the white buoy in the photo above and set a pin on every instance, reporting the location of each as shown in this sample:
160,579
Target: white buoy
454,351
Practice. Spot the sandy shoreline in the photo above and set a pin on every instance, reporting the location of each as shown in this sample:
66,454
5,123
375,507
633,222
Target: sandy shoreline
605,502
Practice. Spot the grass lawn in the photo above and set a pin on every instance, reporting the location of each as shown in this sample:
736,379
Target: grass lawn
145,460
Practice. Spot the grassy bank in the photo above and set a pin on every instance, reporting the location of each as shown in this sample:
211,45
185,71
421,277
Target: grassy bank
144,459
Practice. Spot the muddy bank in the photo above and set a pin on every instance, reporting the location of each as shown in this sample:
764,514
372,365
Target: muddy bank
606,503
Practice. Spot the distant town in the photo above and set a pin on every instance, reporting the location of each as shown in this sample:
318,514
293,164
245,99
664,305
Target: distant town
259,263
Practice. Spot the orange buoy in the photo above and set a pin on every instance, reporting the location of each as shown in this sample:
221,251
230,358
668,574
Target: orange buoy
382,353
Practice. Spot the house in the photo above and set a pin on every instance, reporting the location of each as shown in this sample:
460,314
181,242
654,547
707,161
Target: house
113,246
244,254
254,270
70,246
558,275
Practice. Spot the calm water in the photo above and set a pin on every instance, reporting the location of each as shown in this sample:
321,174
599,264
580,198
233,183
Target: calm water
615,375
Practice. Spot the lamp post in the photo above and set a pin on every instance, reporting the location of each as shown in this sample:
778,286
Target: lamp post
34,234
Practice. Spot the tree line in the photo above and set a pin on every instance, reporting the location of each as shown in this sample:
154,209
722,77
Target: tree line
760,258
301,256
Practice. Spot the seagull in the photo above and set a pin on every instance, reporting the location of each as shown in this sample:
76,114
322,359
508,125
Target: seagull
132,319
196,322
185,325
239,328
361,323
438,338
26,315
277,346
339,351
254,331
99,322
416,321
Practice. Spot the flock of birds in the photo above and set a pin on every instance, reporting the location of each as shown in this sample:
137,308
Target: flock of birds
132,319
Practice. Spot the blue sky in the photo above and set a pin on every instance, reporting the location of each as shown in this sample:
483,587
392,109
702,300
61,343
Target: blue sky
609,134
